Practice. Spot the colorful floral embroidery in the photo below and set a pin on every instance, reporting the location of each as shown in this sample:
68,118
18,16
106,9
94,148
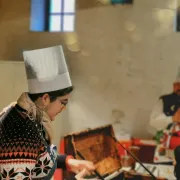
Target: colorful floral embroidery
9,174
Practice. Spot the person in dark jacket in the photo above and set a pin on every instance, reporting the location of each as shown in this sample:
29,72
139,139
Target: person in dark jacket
26,149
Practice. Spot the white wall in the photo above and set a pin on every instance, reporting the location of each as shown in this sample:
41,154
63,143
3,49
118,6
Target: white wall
130,57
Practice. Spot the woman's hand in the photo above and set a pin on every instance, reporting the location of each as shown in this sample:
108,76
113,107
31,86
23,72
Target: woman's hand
77,166
80,176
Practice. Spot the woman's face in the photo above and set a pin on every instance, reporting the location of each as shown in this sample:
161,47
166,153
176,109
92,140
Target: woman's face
55,107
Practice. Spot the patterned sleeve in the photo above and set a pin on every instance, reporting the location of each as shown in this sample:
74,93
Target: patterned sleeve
20,145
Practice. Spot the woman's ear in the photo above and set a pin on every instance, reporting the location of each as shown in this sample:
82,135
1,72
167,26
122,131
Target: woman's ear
45,100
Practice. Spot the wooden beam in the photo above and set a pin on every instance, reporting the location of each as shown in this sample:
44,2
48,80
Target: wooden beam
87,4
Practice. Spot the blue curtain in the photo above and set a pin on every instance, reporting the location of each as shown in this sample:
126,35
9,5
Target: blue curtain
38,15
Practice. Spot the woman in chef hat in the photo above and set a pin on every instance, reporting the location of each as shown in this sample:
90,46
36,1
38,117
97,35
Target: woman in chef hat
26,150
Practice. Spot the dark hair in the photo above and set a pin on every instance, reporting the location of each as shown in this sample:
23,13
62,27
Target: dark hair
177,166
53,94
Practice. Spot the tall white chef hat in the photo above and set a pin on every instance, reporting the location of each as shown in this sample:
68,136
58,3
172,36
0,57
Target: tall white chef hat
46,70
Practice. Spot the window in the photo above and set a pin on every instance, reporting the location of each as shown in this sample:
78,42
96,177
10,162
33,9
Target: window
62,15
52,15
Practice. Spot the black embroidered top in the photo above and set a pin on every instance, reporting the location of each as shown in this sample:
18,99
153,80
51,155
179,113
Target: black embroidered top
23,150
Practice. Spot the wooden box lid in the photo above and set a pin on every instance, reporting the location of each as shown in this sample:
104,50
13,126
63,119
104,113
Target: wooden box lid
96,145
